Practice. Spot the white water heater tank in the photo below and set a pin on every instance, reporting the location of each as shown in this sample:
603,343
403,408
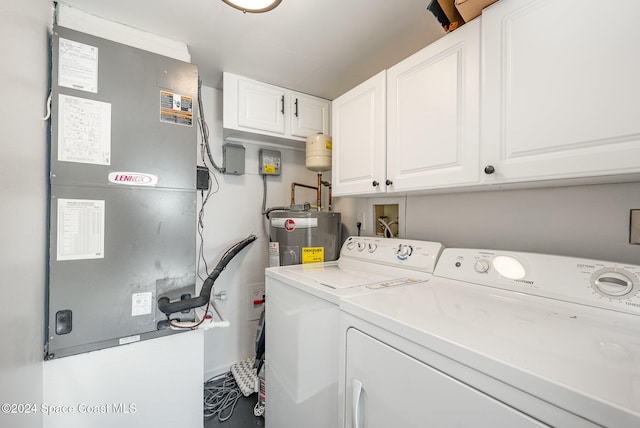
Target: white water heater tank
318,152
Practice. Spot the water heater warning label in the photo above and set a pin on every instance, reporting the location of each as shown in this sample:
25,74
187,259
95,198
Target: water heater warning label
274,254
312,255
176,108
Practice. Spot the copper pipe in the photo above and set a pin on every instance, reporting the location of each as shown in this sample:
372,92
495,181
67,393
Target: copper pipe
318,192
326,184
293,190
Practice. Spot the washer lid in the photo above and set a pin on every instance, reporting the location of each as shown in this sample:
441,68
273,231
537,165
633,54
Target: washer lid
338,277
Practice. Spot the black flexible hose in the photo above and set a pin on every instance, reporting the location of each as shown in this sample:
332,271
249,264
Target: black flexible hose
169,308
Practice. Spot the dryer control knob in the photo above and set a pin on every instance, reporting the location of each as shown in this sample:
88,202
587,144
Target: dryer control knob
614,282
482,266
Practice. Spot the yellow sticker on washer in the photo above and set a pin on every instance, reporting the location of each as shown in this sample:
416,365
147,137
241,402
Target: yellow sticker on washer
312,255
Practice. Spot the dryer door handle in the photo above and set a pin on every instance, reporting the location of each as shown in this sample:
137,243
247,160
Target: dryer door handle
356,403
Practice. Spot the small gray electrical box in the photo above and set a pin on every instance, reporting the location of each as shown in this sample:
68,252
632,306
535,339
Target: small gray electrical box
269,162
233,158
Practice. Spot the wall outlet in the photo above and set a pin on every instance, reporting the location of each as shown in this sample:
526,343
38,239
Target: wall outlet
255,292
360,219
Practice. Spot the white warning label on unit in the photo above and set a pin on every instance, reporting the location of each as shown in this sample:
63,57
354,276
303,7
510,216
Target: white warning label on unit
141,304
129,339
80,229
290,224
274,254
175,108
77,66
84,130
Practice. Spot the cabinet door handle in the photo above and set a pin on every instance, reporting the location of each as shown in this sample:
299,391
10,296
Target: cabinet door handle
489,169
282,103
356,407
296,103
388,182
375,183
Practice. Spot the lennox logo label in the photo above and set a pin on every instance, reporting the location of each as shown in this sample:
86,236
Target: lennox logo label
133,178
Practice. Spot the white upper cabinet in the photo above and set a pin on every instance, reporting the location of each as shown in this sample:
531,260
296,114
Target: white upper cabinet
418,129
561,90
433,114
359,139
310,115
260,107
257,111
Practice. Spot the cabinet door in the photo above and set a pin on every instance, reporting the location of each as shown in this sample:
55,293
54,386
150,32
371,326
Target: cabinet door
433,114
309,115
261,106
359,135
387,388
561,93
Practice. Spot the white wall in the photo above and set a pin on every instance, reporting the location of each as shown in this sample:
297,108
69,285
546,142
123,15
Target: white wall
24,27
232,214
579,221
153,383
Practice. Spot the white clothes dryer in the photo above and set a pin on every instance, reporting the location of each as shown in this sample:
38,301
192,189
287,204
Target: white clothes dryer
496,339
302,319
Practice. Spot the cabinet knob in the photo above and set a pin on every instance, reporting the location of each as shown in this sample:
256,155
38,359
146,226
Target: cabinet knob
375,183
388,182
489,169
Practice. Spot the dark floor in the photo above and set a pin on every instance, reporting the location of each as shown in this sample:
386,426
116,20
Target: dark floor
242,416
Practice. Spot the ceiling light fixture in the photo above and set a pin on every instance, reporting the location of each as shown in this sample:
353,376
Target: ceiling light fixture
253,6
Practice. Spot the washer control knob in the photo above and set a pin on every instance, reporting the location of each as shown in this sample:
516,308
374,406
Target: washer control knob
350,245
361,246
482,266
372,247
614,282
404,251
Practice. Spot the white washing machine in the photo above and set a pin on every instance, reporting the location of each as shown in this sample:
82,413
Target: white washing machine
496,339
302,320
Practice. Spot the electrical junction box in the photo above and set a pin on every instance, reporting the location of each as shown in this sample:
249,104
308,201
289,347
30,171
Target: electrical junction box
233,155
269,162
202,178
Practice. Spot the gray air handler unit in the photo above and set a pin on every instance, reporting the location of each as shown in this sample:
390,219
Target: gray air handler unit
302,234
123,192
